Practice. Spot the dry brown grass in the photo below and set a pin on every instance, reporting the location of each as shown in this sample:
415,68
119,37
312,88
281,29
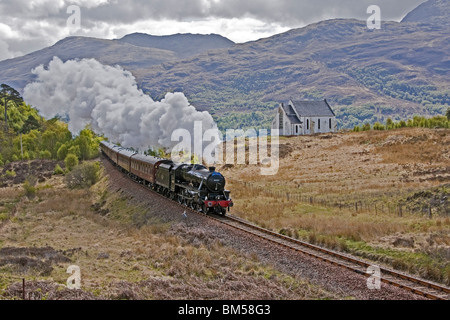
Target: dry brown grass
354,166
375,171
120,261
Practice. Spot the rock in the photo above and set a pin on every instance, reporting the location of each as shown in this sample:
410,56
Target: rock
103,256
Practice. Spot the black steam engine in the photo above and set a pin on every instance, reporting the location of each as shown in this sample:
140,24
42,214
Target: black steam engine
195,186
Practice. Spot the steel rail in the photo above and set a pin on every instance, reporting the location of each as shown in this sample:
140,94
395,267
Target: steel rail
415,285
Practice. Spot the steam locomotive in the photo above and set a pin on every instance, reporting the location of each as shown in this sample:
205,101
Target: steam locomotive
198,187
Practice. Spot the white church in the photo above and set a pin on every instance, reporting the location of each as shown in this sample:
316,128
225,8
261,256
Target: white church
299,118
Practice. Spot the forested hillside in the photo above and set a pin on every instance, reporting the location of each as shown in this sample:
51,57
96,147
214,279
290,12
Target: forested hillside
26,135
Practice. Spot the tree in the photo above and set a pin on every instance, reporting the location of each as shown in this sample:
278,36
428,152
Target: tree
389,124
448,114
71,161
9,95
62,152
83,176
30,124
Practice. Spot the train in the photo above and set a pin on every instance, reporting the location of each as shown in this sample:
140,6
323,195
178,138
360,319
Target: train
193,185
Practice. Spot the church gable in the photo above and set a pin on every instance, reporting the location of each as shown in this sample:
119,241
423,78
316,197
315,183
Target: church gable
305,117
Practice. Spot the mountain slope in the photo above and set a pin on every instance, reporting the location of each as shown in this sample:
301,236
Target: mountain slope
184,45
132,53
17,72
430,12
367,75
400,70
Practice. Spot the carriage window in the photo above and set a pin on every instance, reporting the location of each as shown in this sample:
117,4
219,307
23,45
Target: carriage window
318,122
330,124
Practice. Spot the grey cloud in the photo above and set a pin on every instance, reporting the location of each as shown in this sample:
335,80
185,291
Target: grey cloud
42,23
281,11
287,12
291,12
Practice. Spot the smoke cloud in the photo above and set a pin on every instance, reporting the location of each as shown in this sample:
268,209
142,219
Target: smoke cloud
109,100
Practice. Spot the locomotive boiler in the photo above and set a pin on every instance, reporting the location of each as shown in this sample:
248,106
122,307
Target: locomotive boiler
195,186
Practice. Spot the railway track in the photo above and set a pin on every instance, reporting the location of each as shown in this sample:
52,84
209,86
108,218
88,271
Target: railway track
416,285
404,281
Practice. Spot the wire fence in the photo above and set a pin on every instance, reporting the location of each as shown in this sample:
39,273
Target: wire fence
399,208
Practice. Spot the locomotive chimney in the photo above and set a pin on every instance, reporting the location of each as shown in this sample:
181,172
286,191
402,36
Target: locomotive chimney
212,169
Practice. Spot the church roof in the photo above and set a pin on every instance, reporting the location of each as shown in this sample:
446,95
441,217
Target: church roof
290,113
312,108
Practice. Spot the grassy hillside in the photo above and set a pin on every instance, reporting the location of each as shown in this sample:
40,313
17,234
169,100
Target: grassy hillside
399,71
382,195
123,254
367,75
132,52
28,136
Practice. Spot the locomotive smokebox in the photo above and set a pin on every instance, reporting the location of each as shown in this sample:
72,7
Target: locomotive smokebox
215,182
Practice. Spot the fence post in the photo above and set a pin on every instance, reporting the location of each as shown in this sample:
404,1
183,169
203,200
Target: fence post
23,289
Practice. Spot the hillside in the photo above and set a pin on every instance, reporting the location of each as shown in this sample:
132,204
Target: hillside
132,245
132,52
367,75
184,45
382,195
129,246
430,12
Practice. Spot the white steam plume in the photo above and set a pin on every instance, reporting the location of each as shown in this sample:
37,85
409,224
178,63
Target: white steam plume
109,100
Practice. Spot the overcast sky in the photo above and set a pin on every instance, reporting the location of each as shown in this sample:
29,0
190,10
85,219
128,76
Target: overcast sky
29,25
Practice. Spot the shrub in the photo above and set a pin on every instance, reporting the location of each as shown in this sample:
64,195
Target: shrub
58,170
62,152
378,126
75,150
45,154
389,124
30,191
71,161
10,174
83,176
30,186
